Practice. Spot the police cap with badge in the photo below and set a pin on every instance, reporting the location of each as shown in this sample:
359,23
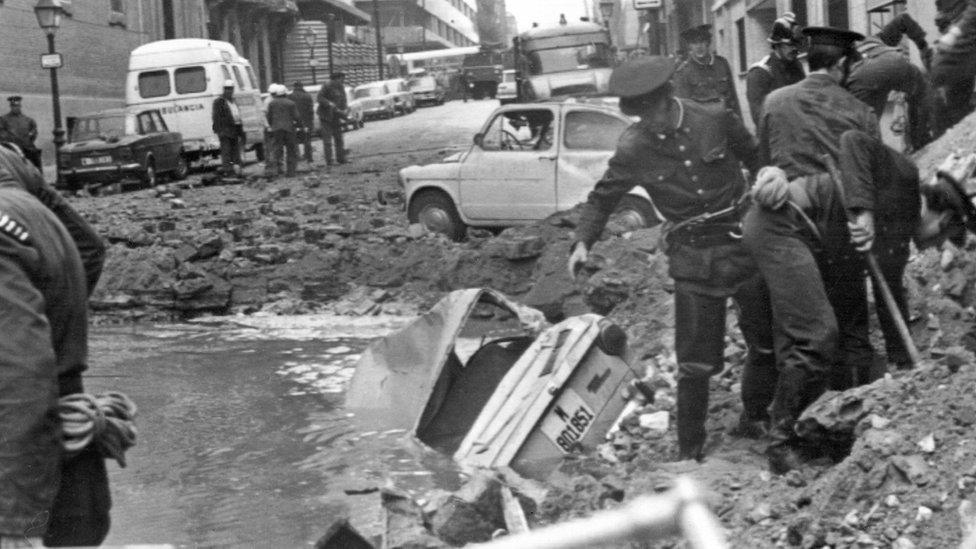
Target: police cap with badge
831,37
785,30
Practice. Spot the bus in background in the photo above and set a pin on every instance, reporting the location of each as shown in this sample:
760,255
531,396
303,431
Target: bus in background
483,71
444,65
567,59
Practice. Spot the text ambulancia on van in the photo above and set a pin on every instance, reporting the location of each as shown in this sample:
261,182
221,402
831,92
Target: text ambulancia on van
182,78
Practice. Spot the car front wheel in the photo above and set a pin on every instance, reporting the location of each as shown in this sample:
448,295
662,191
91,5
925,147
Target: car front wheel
635,212
436,212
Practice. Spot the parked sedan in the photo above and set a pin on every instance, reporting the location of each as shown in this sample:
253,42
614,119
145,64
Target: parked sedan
402,98
528,162
112,145
376,99
427,90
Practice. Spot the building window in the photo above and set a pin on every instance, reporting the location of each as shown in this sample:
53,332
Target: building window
116,13
837,14
740,34
799,8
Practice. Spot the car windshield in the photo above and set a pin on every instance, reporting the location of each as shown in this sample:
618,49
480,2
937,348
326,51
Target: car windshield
372,91
570,58
98,127
425,83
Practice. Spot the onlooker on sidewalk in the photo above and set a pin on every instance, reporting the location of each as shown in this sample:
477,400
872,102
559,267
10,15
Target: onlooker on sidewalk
20,129
333,108
282,121
229,129
306,118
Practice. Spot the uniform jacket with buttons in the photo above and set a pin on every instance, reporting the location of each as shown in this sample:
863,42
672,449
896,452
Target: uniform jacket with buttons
43,350
804,121
687,171
770,73
19,129
282,115
707,82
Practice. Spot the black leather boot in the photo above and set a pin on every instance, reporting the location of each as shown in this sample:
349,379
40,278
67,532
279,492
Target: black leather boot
692,413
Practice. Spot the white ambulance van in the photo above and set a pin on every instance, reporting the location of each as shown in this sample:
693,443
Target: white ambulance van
182,78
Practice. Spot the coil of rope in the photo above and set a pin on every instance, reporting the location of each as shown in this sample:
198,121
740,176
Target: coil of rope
106,420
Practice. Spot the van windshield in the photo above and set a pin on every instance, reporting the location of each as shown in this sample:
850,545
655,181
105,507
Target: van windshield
98,127
361,93
570,58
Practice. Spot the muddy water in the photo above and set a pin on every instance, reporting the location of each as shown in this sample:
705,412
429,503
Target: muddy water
242,437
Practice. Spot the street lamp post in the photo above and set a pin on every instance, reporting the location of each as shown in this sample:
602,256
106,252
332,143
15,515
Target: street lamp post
308,36
329,21
48,14
606,12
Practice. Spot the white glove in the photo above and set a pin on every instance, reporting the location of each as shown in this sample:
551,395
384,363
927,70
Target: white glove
771,189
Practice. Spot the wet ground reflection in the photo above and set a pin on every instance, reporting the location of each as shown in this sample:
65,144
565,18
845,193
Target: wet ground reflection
242,439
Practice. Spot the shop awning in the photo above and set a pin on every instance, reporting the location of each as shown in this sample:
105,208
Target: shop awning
281,6
317,9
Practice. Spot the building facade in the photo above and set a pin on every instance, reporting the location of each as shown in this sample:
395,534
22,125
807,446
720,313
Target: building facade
418,25
94,40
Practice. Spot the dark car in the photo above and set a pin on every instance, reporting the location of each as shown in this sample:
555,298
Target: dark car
427,90
112,145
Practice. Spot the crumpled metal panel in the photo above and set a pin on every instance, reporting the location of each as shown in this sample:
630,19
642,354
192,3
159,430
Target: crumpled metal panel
395,376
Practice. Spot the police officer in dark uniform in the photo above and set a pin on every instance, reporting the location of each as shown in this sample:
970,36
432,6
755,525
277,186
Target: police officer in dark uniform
43,494
18,128
705,76
797,229
306,115
800,124
687,156
780,68
333,109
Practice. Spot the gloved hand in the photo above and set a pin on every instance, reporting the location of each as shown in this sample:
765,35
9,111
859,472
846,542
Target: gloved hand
771,189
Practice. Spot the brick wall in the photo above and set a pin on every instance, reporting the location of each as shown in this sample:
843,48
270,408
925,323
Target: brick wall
95,53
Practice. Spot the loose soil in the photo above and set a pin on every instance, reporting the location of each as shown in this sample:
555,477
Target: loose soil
338,241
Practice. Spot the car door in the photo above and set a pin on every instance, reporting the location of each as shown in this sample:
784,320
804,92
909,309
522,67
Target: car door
149,140
510,175
169,142
589,138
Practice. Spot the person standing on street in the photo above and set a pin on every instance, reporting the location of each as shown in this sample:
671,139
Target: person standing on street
800,124
306,118
883,68
46,497
687,156
20,129
796,231
705,76
283,118
333,108
780,68
229,129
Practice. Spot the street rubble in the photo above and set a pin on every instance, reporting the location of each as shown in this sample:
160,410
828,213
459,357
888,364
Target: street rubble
897,458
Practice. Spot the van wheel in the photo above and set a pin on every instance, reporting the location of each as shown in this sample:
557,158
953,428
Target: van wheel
436,212
182,168
635,212
149,177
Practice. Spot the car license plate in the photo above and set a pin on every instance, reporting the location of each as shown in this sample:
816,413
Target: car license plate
568,421
92,160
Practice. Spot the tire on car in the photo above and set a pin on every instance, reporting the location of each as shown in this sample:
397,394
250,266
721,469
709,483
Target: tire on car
635,212
436,212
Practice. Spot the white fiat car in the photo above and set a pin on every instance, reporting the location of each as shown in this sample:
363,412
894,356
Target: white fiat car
528,162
